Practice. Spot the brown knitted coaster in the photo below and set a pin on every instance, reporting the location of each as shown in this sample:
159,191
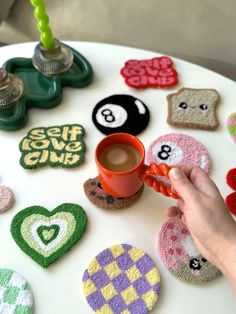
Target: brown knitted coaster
193,108
100,198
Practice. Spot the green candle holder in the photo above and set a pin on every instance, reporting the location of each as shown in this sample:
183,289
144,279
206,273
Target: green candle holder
39,90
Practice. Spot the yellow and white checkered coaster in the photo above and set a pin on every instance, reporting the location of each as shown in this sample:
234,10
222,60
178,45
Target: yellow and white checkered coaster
121,280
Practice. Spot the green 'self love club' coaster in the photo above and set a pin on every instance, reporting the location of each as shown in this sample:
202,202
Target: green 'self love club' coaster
15,293
56,146
47,235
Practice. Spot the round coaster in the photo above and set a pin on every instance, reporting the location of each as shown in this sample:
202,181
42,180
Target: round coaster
121,279
231,178
121,113
96,194
176,149
230,201
7,198
16,296
231,126
180,255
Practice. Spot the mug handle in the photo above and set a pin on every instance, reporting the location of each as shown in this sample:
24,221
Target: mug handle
161,170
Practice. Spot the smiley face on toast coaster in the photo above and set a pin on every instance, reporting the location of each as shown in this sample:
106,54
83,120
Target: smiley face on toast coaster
180,255
47,235
177,149
193,108
57,146
121,279
16,296
7,198
155,72
121,113
231,126
96,194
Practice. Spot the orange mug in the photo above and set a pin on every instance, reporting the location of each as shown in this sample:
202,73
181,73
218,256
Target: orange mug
125,183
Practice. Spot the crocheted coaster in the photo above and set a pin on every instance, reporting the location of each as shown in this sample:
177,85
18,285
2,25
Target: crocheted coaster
193,108
231,126
176,149
231,198
47,235
121,279
7,198
16,296
156,72
96,194
54,146
180,255
117,113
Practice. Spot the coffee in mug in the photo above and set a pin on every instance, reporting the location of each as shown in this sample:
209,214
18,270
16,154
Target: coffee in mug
120,157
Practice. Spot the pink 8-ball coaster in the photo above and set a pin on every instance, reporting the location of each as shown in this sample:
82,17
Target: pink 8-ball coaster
176,149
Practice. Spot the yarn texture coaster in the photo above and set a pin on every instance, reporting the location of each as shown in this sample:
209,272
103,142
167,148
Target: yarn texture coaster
155,72
16,296
177,149
121,279
96,194
193,108
231,198
7,198
47,235
180,255
231,126
121,113
57,146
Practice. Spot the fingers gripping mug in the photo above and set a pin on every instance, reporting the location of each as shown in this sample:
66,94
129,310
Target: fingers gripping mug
122,172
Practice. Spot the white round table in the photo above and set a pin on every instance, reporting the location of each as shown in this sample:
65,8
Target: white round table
58,289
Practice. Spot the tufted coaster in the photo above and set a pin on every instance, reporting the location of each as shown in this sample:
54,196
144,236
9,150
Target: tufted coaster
231,126
47,235
180,255
193,108
177,149
54,146
155,72
101,199
121,113
15,296
121,279
231,198
7,198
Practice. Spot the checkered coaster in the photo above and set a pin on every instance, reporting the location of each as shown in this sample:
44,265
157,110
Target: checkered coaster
121,280
15,294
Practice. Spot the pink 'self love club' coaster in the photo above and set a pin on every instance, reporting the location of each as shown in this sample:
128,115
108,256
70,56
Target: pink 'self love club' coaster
180,255
177,149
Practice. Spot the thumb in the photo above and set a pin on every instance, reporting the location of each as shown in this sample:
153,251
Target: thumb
182,184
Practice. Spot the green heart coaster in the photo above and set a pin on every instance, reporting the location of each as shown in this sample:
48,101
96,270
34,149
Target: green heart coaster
47,235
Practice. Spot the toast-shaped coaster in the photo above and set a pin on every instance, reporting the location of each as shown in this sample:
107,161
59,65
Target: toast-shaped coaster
177,149
16,296
193,108
231,126
155,72
47,235
56,146
117,113
7,198
180,255
96,194
121,279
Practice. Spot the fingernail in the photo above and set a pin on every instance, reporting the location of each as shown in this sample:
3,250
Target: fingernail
176,173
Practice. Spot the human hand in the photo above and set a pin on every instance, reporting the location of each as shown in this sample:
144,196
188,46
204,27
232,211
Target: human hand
202,209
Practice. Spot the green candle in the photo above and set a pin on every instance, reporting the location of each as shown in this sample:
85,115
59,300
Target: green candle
46,36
